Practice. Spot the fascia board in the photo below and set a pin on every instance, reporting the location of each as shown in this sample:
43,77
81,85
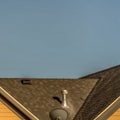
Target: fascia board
109,110
17,104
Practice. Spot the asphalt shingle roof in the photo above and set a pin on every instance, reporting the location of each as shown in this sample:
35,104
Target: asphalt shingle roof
39,96
87,96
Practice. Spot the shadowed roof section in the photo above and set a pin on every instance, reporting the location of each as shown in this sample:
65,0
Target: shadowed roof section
105,92
38,96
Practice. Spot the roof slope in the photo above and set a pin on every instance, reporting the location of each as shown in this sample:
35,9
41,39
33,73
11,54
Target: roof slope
38,97
87,97
105,92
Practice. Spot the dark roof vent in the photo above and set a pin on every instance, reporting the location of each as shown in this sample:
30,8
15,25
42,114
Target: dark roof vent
26,82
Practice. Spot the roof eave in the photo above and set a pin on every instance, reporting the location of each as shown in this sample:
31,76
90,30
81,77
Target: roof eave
12,100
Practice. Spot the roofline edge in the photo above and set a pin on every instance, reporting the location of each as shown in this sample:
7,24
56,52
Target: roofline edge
17,104
109,110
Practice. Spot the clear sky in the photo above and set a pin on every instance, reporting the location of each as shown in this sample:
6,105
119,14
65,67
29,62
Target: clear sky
58,38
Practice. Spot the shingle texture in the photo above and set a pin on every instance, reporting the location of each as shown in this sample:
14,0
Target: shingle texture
39,96
104,93
87,96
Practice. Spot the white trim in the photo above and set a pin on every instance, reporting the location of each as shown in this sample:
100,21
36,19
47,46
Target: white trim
109,110
17,104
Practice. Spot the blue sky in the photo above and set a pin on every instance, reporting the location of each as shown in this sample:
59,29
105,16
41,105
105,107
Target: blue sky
58,38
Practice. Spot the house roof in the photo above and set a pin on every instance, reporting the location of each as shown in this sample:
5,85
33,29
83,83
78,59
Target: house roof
105,92
87,97
39,97
113,107
16,106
